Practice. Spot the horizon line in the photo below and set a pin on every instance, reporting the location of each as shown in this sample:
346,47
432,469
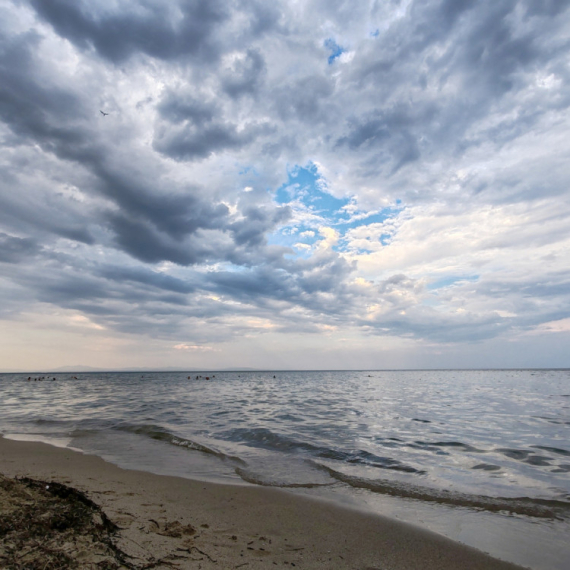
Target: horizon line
244,369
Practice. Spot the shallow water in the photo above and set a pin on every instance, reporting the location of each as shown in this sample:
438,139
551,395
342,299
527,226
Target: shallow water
452,449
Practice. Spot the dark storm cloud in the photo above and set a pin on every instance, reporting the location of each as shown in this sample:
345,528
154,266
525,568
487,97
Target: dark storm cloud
451,10
194,128
304,100
399,282
160,30
256,223
324,273
33,111
261,283
30,106
440,71
40,220
203,88
264,17
433,326
525,293
65,289
310,284
111,296
14,249
493,51
175,214
177,108
390,132
145,277
245,74
141,240
189,142
152,221
546,8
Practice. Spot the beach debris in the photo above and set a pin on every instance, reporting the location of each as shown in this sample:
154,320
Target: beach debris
47,525
173,529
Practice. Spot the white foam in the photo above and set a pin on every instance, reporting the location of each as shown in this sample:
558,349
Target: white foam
55,441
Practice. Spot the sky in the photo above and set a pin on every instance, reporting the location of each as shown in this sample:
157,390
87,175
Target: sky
284,185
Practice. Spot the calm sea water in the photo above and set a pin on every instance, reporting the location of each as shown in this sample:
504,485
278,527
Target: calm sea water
482,456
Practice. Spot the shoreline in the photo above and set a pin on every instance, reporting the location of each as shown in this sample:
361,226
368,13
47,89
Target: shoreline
237,526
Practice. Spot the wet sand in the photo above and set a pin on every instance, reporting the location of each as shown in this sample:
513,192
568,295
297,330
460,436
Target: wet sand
170,522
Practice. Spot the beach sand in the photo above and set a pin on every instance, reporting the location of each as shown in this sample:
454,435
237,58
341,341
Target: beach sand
170,522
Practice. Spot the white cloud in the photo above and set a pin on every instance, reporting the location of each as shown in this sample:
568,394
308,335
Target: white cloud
159,221
193,347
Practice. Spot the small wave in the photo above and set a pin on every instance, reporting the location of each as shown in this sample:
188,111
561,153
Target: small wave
514,453
552,449
289,418
554,421
257,480
439,446
36,437
540,508
456,444
486,467
267,439
160,434
526,456
366,458
49,422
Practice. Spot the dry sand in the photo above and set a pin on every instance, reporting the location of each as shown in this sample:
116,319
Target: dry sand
170,522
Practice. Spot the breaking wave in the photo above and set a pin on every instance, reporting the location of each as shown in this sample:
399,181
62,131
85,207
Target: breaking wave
270,440
249,477
160,434
534,507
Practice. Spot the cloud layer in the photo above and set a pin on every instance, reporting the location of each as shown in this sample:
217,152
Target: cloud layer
292,179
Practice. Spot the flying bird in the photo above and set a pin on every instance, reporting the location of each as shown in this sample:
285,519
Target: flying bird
103,113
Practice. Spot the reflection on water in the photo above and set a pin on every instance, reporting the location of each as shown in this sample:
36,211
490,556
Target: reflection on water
494,441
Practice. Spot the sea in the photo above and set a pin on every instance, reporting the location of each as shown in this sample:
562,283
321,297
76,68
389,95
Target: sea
480,456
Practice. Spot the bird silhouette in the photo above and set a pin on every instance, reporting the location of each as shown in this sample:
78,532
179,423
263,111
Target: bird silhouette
103,113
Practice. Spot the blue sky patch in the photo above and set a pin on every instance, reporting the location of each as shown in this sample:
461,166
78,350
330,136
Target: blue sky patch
336,50
306,185
451,280
306,192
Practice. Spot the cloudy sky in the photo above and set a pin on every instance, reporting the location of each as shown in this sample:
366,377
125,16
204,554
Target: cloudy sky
285,184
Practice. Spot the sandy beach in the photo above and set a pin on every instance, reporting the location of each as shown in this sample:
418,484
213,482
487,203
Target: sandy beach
170,522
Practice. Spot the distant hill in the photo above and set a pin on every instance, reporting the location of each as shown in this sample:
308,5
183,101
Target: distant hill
77,368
